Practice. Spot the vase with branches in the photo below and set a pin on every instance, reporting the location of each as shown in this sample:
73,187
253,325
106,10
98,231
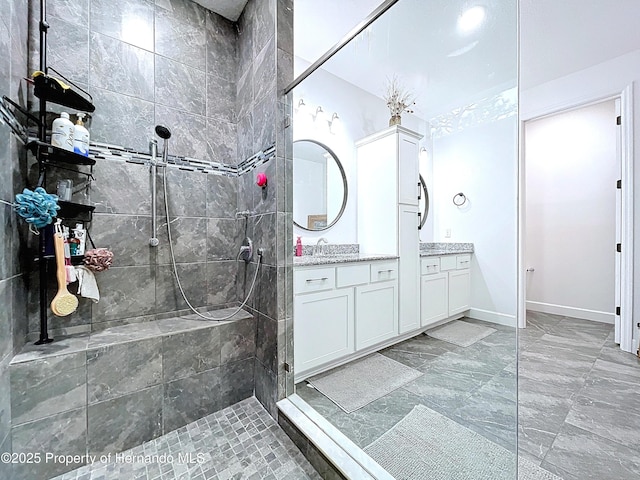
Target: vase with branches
399,100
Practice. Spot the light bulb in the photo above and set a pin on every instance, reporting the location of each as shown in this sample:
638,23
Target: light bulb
471,19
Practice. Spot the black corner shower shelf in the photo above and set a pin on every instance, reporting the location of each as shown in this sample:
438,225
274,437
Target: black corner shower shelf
47,153
75,211
75,259
50,89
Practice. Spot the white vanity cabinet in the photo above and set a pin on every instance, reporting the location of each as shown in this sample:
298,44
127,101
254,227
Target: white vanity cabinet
445,287
340,309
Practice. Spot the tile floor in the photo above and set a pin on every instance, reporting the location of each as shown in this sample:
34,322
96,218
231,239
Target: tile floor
241,441
578,409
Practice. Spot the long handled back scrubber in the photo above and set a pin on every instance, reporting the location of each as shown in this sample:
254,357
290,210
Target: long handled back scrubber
64,303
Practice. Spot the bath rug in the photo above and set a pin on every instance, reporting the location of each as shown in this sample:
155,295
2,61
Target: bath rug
426,444
362,381
460,333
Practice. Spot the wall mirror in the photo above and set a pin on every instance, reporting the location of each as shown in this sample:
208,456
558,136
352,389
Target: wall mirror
423,202
319,186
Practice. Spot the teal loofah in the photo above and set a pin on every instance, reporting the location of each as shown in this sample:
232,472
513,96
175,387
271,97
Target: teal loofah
38,207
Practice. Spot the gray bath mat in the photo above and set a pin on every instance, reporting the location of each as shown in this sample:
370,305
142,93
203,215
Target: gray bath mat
425,444
460,333
360,382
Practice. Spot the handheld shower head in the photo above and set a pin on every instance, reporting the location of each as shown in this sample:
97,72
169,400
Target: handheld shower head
163,132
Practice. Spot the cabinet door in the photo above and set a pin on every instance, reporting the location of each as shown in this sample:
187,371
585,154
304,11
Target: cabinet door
459,291
409,284
408,179
434,298
323,328
376,313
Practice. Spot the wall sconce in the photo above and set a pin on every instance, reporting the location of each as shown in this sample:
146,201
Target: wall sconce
302,107
424,154
320,115
335,124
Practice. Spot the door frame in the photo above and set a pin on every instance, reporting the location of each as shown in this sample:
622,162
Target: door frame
627,341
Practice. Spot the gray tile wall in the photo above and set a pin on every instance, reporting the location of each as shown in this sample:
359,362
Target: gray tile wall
13,67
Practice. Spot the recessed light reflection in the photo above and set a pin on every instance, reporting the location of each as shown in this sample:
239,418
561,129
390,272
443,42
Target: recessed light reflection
471,19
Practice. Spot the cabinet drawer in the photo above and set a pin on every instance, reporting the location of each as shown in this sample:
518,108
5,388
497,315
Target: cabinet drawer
314,280
383,271
463,261
349,275
430,265
448,262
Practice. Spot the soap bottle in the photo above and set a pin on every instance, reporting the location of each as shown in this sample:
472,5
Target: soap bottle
80,234
80,137
74,245
62,132
299,247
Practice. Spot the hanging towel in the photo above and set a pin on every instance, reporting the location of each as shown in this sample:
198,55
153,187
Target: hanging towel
87,285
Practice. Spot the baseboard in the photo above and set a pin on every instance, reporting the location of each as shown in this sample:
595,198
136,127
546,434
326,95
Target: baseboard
493,317
581,313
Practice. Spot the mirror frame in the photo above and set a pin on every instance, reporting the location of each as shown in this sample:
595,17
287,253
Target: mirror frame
425,192
344,182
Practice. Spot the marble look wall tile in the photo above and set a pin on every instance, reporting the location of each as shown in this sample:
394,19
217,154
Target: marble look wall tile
245,137
139,366
224,237
245,54
5,398
133,192
222,141
42,388
6,469
284,70
264,236
125,292
188,353
221,283
222,40
189,238
246,187
67,50
126,20
221,196
264,122
71,11
124,422
180,86
133,117
285,292
168,297
236,381
284,232
101,326
6,320
244,93
120,67
265,199
221,98
189,399
185,12
61,434
237,340
266,301
127,236
187,193
264,72
263,24
188,132
284,14
266,388
267,343
180,41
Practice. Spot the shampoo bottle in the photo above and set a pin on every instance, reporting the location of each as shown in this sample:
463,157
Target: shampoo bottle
299,247
62,132
80,137
80,234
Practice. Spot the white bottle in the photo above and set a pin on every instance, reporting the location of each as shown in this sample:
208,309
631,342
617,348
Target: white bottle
81,234
62,132
80,137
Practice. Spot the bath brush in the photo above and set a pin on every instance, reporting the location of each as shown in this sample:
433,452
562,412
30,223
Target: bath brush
64,303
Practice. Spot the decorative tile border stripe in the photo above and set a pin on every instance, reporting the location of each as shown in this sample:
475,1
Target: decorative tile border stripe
105,151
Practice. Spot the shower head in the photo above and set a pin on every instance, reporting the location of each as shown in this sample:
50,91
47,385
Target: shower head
163,132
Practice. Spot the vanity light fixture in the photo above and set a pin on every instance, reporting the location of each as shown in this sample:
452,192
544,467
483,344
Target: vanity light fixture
335,124
320,115
471,19
302,107
424,154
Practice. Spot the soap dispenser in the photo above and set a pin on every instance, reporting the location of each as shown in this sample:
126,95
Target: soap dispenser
299,247
80,137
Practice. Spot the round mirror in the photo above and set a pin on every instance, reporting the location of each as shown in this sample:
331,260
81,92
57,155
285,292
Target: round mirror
423,203
319,186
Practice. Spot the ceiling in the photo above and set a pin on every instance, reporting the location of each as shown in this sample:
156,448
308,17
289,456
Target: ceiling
418,40
230,9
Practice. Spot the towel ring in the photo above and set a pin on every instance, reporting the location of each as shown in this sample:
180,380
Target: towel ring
461,201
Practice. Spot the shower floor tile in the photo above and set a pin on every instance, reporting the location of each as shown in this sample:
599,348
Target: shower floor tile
241,441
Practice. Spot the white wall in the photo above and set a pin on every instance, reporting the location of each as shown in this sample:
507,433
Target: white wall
361,114
600,81
481,161
570,171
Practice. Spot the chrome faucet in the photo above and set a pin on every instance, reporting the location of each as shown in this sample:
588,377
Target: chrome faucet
318,249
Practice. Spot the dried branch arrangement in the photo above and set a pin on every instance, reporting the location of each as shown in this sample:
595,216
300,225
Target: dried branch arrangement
398,98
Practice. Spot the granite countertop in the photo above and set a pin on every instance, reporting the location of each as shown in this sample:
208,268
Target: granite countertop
308,260
438,249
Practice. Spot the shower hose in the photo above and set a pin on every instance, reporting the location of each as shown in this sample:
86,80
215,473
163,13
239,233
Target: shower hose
175,268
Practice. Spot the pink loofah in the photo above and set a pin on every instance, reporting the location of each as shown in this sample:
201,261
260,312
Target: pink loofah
98,259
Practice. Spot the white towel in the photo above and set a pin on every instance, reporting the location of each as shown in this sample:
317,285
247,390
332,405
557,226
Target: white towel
87,285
